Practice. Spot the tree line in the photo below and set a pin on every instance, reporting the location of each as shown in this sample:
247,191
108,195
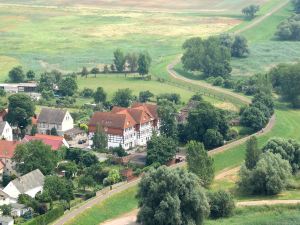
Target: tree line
124,63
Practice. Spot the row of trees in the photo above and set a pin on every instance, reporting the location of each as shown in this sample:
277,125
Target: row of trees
212,56
257,115
17,75
132,62
268,170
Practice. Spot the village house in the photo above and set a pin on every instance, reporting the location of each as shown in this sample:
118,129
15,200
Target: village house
128,127
6,132
55,142
30,184
4,198
19,87
6,220
7,150
50,118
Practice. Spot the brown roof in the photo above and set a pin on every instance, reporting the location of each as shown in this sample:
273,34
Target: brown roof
7,148
121,118
51,116
3,113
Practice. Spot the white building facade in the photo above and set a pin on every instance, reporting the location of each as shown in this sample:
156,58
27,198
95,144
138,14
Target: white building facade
6,131
129,128
59,119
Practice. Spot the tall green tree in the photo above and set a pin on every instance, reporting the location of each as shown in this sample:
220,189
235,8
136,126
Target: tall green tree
35,155
16,74
100,95
239,47
269,177
200,163
288,149
132,60
253,153
286,81
20,110
144,96
207,56
144,63
100,140
68,86
123,97
30,75
95,71
167,196
161,149
119,60
166,112
250,11
84,72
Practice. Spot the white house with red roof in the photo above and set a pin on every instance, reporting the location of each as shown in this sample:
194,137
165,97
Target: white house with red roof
55,142
7,150
128,127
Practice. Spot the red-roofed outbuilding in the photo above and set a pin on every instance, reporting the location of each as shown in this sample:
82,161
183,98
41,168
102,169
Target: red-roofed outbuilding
56,142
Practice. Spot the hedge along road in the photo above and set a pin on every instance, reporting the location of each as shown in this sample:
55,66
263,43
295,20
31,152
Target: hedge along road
101,196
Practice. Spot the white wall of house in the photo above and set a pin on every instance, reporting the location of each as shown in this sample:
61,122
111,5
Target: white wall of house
7,133
6,221
12,191
19,212
5,201
67,124
32,192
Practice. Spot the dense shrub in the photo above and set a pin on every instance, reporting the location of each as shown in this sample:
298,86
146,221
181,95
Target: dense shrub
289,29
288,149
48,217
269,177
221,204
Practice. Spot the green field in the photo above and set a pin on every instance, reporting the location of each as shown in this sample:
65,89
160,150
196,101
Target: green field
68,38
271,215
110,208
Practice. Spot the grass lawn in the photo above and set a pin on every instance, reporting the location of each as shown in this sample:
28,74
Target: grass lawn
112,207
111,83
264,215
265,51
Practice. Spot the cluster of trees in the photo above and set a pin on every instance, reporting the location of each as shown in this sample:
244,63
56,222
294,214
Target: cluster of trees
289,29
205,124
257,115
20,110
131,62
17,75
286,81
268,170
212,56
176,196
250,11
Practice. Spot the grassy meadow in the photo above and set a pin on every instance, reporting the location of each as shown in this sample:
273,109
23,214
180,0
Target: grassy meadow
68,38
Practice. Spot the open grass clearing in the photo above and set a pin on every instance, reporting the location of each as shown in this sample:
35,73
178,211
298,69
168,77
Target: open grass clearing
111,83
262,215
64,38
215,6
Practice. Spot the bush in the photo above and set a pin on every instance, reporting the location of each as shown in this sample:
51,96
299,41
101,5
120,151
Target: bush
289,29
212,139
232,134
89,195
219,81
48,217
221,204
269,177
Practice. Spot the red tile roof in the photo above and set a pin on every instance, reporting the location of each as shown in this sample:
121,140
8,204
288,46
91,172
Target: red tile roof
119,118
7,148
56,142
